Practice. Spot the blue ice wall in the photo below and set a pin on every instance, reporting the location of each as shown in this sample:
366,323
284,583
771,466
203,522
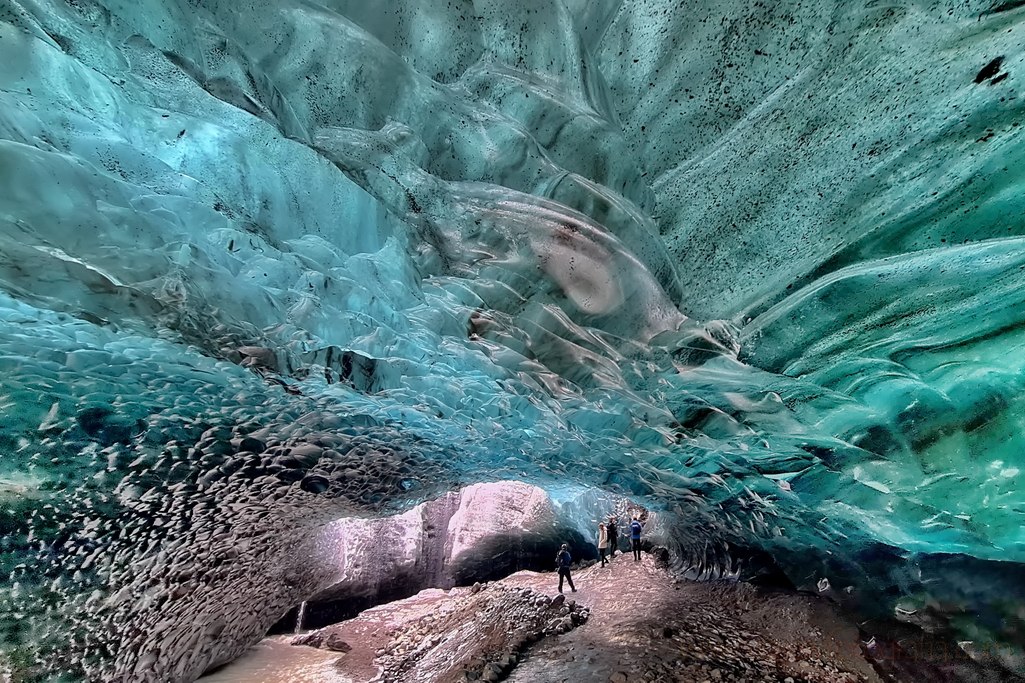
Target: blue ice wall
264,265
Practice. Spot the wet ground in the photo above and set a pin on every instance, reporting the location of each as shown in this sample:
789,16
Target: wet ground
274,660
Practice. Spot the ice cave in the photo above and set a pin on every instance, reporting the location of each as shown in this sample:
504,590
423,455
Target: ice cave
278,275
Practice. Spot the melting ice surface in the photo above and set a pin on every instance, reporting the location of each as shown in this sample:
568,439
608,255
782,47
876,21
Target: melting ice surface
264,265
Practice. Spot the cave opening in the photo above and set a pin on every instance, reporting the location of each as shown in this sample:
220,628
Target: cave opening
333,303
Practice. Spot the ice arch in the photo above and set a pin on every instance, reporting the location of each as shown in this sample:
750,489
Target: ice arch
264,265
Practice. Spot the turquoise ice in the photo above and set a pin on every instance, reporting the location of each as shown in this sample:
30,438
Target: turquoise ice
264,265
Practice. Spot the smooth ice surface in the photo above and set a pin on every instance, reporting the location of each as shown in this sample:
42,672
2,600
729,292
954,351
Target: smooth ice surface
264,265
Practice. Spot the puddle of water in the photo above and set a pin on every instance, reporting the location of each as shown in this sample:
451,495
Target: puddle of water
273,660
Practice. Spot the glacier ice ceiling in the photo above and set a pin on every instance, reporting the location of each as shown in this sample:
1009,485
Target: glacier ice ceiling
760,266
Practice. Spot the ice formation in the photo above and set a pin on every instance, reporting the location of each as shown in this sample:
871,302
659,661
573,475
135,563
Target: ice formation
264,265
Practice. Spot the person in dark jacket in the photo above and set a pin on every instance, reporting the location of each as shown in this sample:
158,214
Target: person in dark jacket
564,560
635,538
613,532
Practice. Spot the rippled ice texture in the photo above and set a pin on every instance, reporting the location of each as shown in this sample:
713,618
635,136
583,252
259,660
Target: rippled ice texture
268,264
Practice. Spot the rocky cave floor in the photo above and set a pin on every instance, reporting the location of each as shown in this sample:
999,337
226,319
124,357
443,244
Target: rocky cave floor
628,622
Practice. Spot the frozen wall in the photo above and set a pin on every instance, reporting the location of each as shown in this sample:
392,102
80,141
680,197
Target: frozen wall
268,265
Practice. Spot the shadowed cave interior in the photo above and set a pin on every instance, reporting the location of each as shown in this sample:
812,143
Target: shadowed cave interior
271,268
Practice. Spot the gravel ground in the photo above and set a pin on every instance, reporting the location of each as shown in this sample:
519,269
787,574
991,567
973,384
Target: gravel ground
645,626
629,622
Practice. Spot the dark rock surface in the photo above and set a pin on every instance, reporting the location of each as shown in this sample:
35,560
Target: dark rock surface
479,636
323,639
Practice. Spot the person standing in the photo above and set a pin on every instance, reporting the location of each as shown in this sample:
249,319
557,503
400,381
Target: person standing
635,538
603,543
564,560
613,536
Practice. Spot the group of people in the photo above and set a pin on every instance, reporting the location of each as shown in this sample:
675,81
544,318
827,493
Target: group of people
608,543
608,539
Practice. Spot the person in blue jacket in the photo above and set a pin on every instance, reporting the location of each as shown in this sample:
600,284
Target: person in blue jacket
564,560
635,538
